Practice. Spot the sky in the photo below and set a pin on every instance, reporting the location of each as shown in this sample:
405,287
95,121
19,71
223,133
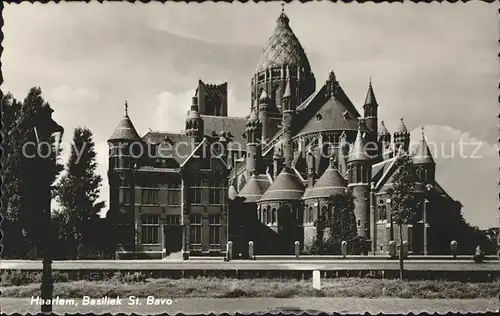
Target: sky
433,64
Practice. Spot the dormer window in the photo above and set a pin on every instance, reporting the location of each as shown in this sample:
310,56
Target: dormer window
319,117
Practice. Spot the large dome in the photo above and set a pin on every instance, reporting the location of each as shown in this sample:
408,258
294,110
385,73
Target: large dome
283,48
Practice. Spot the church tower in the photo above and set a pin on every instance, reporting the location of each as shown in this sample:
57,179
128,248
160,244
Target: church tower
423,161
122,162
254,136
359,178
263,102
370,117
384,142
283,50
289,105
401,138
194,122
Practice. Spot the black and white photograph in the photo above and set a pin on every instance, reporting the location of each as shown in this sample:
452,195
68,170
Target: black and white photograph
267,157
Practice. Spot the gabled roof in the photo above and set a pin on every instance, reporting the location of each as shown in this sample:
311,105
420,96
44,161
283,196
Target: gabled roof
337,112
235,125
254,188
283,48
180,144
379,169
125,131
198,148
330,183
287,186
387,179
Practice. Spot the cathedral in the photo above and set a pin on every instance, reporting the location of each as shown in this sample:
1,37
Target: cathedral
265,178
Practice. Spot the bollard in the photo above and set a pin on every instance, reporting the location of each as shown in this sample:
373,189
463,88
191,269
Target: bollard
250,251
454,248
316,280
297,250
229,251
479,256
392,249
405,249
343,247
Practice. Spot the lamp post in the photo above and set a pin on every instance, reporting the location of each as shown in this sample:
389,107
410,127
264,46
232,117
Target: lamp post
44,128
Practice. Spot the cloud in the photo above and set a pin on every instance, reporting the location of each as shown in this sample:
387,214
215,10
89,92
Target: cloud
465,171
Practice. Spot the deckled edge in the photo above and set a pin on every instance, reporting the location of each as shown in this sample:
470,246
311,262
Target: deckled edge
1,133
290,313
245,1
488,313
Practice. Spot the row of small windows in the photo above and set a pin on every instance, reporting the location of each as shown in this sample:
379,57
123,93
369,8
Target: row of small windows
358,173
267,216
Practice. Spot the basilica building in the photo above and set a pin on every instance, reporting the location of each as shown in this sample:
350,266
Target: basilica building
266,177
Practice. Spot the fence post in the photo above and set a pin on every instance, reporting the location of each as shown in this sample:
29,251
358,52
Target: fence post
229,251
297,249
405,249
316,280
392,249
343,247
250,250
454,248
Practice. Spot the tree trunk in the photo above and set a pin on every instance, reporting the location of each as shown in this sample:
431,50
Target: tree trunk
401,268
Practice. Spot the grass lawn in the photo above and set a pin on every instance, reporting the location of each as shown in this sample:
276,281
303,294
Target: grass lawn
235,288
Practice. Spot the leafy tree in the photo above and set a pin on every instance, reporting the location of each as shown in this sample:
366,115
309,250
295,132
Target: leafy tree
339,222
403,199
78,193
25,172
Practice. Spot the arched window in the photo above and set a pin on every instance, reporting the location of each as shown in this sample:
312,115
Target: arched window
309,215
273,216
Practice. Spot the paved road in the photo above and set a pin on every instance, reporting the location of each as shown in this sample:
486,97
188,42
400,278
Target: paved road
256,305
301,265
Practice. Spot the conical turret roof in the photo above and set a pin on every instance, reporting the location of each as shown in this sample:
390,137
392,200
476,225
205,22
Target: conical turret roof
125,129
283,48
254,188
422,155
287,186
358,149
370,96
382,130
401,129
330,183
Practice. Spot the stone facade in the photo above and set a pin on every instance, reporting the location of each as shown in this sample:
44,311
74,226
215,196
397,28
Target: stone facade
273,172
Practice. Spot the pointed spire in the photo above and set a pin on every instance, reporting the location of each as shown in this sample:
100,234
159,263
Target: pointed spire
125,129
382,130
370,95
288,91
422,154
358,149
333,160
253,116
283,18
401,129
